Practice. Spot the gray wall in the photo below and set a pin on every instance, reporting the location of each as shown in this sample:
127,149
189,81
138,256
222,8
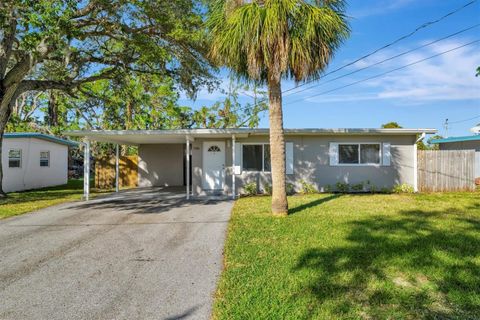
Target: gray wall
311,163
160,165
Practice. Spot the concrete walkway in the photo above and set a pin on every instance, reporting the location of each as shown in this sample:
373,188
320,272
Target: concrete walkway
141,254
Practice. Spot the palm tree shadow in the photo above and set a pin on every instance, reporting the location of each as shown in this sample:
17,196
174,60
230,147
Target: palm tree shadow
413,246
313,203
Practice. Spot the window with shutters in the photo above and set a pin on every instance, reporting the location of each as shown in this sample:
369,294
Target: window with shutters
359,154
256,157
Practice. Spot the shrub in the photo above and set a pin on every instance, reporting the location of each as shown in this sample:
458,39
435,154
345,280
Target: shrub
403,188
267,189
385,190
250,189
357,187
342,187
327,188
307,188
290,189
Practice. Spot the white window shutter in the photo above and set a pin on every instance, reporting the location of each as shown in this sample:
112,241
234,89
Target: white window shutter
386,155
289,157
333,153
238,158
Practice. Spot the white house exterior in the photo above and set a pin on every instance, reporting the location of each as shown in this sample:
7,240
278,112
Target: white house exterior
223,161
34,160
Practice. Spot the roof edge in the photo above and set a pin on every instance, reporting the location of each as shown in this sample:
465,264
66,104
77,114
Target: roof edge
41,136
305,131
456,139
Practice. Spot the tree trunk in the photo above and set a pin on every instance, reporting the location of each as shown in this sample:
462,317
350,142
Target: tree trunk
277,149
4,116
52,110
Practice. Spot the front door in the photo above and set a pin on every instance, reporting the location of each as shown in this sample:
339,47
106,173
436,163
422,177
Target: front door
213,165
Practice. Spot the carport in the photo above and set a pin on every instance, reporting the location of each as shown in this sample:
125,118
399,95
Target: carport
169,148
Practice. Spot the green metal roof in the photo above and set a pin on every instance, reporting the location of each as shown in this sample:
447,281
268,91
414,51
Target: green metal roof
41,136
457,139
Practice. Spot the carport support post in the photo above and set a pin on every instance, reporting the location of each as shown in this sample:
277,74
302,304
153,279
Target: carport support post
187,169
86,170
233,167
116,168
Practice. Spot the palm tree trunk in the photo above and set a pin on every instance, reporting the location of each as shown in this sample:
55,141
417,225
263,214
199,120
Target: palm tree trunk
277,149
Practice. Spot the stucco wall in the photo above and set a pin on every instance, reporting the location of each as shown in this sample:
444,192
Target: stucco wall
312,163
31,175
160,165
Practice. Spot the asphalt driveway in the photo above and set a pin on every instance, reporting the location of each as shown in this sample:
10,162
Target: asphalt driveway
142,254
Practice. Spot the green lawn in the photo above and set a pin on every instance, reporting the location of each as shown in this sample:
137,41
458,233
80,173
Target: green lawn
353,257
26,201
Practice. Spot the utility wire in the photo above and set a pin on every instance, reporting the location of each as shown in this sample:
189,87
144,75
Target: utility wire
385,73
464,120
422,26
388,59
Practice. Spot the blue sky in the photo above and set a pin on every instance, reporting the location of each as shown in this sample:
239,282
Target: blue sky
420,96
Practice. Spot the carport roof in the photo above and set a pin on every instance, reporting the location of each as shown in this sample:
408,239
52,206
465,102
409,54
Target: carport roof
137,137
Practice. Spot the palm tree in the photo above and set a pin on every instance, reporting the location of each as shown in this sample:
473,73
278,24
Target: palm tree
265,41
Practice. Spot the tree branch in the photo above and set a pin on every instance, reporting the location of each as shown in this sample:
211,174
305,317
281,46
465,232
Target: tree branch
68,86
6,46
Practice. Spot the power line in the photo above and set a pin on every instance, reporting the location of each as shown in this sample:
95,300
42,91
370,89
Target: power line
388,59
422,26
464,120
385,73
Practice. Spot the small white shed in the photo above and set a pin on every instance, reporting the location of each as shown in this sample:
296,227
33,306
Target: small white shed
34,160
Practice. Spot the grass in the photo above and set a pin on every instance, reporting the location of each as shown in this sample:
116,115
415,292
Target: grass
353,257
26,201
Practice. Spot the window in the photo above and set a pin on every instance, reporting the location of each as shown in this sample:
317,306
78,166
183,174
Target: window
214,149
256,157
370,153
15,158
362,153
45,159
348,153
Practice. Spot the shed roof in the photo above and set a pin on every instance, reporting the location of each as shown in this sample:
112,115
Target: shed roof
457,139
136,137
41,136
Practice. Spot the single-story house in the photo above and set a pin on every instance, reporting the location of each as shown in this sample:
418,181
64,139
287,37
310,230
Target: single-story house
462,143
223,161
33,160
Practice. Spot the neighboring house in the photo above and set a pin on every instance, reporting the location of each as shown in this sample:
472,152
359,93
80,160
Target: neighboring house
462,143
34,160
223,160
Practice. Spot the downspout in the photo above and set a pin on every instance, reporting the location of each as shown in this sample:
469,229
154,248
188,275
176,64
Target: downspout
415,161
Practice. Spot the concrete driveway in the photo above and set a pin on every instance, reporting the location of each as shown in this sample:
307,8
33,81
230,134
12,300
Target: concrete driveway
141,254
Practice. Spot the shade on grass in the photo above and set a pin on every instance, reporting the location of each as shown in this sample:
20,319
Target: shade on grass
353,257
26,201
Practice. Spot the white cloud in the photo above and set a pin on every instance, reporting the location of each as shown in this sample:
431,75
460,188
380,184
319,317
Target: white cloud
448,77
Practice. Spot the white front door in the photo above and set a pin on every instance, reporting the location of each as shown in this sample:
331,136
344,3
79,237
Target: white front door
213,165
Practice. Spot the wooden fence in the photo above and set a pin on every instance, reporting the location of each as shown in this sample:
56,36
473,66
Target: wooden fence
446,170
105,172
